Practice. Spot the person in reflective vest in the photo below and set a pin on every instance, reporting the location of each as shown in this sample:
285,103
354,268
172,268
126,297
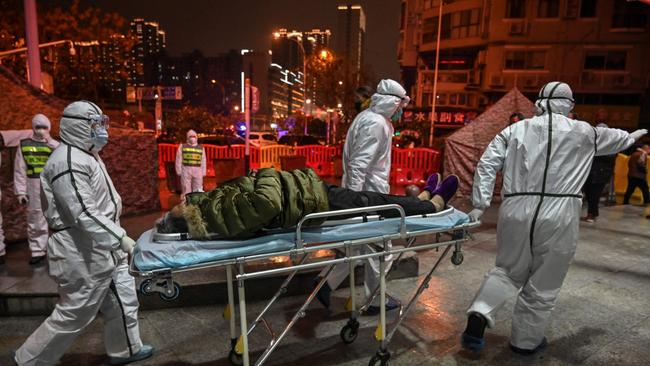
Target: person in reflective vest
31,157
190,164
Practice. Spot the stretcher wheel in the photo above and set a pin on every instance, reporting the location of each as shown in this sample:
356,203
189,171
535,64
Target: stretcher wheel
145,287
379,359
457,258
350,331
176,292
235,358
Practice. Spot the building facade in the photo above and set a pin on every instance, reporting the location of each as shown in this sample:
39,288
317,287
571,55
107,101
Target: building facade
599,47
350,40
150,42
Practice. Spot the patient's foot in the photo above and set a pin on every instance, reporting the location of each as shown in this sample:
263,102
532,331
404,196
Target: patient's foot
446,190
432,183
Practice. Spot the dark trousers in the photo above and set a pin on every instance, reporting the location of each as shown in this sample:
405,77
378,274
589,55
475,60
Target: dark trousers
632,183
592,195
343,198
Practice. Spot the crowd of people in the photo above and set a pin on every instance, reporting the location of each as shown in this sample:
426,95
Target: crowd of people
546,161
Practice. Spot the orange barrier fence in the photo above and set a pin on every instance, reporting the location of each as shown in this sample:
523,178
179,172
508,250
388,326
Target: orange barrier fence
409,166
413,166
320,158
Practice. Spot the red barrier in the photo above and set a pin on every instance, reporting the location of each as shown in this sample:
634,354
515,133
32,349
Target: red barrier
412,166
409,166
320,158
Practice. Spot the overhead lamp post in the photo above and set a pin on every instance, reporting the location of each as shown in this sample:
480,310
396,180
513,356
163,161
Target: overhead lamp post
435,77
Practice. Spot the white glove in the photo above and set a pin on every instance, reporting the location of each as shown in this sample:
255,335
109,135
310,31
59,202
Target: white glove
23,199
636,135
475,215
127,244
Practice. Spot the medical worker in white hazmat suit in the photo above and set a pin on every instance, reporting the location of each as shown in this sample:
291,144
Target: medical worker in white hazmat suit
545,161
366,167
87,251
31,156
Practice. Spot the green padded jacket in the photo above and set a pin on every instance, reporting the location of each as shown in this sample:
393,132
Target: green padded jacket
243,206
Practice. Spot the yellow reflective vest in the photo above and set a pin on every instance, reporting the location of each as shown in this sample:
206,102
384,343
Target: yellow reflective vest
192,155
35,154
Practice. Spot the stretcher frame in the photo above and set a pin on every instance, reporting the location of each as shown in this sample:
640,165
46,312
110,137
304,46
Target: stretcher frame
161,280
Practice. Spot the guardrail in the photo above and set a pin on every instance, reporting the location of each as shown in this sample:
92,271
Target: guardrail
409,166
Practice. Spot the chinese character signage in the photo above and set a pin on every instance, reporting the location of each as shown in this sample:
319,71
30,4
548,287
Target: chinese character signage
452,119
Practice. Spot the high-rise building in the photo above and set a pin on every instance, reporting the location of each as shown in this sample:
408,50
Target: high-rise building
350,39
150,42
286,45
287,54
599,47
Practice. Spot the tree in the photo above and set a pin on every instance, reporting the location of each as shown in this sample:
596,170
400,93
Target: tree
197,118
75,76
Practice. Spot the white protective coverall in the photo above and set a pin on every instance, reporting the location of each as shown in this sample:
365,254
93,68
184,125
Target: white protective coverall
366,165
83,209
34,150
190,164
545,161
10,138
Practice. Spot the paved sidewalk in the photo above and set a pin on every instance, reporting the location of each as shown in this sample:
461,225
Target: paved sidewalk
602,316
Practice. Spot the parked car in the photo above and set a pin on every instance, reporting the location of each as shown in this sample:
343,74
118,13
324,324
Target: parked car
221,140
298,140
259,139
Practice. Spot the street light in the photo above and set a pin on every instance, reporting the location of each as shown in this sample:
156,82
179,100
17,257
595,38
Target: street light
42,45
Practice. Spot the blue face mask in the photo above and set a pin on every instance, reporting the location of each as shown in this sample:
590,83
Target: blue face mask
99,137
397,115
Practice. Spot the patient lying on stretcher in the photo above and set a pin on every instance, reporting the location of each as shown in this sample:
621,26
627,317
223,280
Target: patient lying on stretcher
270,199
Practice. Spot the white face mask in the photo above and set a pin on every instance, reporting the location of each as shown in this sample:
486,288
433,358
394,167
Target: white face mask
192,140
99,137
40,133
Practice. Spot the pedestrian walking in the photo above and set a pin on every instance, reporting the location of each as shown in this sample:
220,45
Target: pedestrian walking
637,174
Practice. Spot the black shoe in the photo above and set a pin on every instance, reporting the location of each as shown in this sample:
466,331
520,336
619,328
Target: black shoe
472,339
391,304
529,352
324,295
2,260
36,260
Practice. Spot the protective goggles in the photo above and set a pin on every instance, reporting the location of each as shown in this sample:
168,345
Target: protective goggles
96,120
404,100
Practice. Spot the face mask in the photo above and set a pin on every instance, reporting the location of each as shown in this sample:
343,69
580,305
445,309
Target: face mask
192,140
99,137
397,115
40,133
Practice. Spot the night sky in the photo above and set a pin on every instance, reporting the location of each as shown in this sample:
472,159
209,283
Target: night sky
215,26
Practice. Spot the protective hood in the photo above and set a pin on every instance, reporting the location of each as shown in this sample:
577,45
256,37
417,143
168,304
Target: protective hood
41,120
77,131
557,96
389,96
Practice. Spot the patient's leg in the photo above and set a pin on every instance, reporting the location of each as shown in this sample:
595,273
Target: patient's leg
343,198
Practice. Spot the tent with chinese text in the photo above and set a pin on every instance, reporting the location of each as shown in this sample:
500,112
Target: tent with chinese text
464,148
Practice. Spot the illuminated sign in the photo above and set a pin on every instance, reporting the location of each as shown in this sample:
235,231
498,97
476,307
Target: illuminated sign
453,119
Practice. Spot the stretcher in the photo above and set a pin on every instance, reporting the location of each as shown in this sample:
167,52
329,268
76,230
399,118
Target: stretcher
157,257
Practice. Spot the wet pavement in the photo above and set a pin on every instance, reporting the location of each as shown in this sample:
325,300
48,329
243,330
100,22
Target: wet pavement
602,316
